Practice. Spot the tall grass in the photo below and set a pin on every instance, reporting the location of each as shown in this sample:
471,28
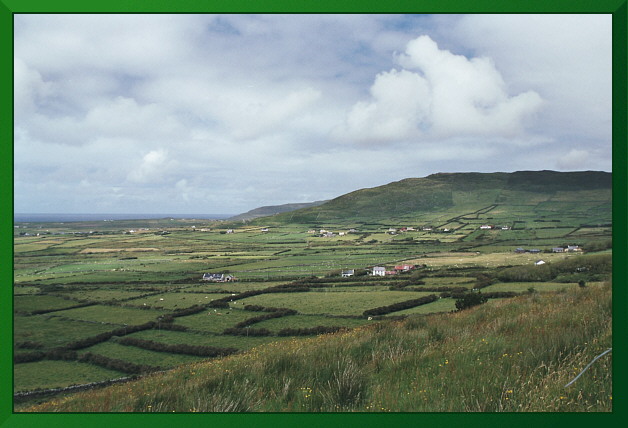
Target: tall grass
503,356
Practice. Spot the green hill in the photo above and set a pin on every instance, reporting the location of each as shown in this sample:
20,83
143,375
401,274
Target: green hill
272,210
548,193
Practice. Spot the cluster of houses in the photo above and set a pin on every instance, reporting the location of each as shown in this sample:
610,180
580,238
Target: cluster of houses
381,270
322,233
491,227
218,277
567,249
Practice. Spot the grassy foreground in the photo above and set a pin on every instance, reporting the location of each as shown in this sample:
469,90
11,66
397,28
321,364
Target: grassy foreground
506,355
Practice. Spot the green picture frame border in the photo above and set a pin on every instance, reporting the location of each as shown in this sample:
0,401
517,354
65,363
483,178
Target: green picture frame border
618,8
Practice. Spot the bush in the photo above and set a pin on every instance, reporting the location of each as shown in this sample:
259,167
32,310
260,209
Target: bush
469,300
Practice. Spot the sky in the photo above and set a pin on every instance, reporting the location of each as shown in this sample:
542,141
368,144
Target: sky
225,113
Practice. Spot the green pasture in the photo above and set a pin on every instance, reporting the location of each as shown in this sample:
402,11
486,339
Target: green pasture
234,287
116,276
28,247
488,260
112,314
440,305
30,303
343,288
220,341
21,291
215,320
136,355
333,303
174,301
448,281
520,287
97,294
52,331
58,374
308,321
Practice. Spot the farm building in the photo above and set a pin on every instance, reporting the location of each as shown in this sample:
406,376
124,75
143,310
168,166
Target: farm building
404,268
347,273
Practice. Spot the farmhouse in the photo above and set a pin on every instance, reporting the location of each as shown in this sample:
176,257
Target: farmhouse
379,271
558,250
347,273
486,227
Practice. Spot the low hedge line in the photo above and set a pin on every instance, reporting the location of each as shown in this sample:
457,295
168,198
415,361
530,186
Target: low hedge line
259,308
435,289
234,331
309,331
383,310
181,348
285,288
103,337
254,320
114,364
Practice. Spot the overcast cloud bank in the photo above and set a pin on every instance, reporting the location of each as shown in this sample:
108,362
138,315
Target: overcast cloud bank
224,113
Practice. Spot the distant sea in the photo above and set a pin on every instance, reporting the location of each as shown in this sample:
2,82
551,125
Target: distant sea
40,217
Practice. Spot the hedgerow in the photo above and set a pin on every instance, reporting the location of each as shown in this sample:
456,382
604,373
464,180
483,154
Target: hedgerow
181,348
382,310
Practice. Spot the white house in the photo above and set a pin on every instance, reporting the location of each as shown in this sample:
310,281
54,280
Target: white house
379,271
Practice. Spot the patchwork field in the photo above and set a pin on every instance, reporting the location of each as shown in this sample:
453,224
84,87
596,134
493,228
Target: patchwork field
95,305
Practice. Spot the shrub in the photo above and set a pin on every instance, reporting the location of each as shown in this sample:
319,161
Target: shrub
469,300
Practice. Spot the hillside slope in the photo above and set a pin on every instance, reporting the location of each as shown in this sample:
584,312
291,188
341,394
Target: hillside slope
506,355
465,192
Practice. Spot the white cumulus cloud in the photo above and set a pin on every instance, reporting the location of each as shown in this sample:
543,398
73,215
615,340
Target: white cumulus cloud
439,95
